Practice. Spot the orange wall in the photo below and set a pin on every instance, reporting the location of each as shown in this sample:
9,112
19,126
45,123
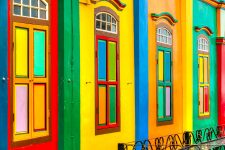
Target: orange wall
173,7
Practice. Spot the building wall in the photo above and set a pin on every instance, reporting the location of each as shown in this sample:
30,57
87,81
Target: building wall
69,75
87,78
222,23
3,74
174,8
207,13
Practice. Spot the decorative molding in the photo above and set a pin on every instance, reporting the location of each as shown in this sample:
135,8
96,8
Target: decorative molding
204,28
164,15
215,3
117,3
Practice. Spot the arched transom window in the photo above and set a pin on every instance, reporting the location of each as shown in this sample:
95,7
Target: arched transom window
203,44
106,22
31,8
164,36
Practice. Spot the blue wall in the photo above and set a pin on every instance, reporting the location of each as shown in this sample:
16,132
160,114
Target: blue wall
3,73
141,68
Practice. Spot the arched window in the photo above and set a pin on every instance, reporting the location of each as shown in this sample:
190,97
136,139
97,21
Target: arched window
106,22
203,75
37,9
164,36
107,71
164,73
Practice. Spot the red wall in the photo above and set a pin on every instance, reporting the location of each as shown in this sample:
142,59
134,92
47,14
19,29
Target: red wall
53,144
221,80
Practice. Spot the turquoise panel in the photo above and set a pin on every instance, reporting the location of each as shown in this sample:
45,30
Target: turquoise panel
101,60
167,66
39,53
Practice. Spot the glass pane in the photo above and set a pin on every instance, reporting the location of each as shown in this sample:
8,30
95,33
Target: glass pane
26,2
21,52
206,98
26,11
113,21
113,28
21,110
206,70
34,3
104,17
160,66
160,102
39,53
108,18
167,67
112,61
34,12
39,107
103,26
201,92
99,16
102,104
17,1
98,24
108,27
102,60
200,69
42,4
17,10
112,101
43,14
168,101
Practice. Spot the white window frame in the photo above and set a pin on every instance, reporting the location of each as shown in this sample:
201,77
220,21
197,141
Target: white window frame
164,36
203,44
106,22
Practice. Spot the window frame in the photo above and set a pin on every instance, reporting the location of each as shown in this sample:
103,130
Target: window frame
204,54
107,36
165,48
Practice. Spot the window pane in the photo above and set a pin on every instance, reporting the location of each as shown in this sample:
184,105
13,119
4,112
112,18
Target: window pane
103,25
34,12
167,67
26,2
200,69
17,10
98,24
21,47
113,21
102,104
34,3
168,101
201,96
206,70
160,102
99,16
17,1
43,14
108,27
112,61
112,101
160,66
102,60
21,110
104,17
113,28
39,53
42,4
26,11
108,18
206,98
39,107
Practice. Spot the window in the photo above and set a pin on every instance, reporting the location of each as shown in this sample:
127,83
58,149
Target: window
164,36
107,74
37,9
106,22
164,74
203,73
30,82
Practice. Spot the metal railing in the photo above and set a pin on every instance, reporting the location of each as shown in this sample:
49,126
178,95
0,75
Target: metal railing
207,138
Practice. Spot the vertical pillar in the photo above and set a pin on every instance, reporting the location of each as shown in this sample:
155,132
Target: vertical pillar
141,68
221,79
3,74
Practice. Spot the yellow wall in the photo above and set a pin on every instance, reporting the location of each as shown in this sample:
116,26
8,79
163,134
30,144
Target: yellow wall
174,8
90,141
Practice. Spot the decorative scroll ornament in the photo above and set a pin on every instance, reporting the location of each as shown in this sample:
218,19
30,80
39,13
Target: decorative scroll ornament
117,3
164,15
204,28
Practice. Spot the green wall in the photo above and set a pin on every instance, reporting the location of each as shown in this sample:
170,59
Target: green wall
205,15
69,75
